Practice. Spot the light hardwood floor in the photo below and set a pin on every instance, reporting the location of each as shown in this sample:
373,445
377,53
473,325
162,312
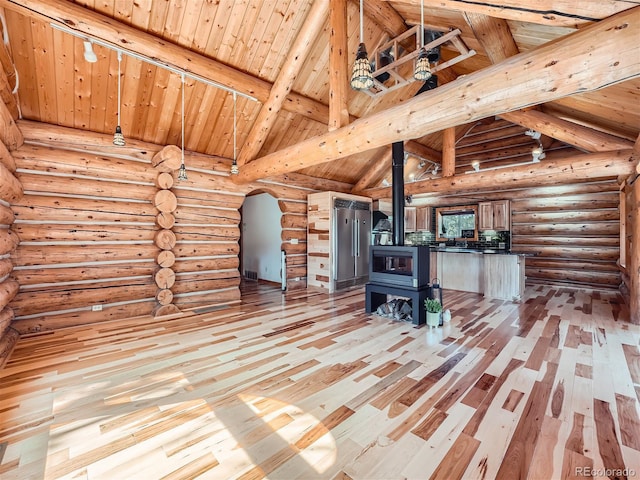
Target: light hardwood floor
307,386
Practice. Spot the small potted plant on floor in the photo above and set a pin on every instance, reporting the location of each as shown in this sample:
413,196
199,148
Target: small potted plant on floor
433,307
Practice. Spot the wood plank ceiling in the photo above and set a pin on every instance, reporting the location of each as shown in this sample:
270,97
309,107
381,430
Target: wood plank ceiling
255,38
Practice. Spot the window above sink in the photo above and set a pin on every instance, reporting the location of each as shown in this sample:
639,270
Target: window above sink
457,223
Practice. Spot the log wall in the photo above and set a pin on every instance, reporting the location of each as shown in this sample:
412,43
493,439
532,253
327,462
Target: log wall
631,195
11,190
574,237
105,234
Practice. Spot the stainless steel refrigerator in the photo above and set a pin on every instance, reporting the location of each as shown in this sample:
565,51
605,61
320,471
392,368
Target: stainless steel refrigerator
351,239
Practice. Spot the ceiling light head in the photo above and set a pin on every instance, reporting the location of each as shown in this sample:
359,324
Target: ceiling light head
89,54
533,134
182,172
435,169
423,66
361,77
234,168
476,165
118,137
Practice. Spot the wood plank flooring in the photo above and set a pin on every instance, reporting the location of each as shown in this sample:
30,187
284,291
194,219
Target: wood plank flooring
307,386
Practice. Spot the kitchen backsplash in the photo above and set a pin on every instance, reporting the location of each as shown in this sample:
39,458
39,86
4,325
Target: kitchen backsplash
487,240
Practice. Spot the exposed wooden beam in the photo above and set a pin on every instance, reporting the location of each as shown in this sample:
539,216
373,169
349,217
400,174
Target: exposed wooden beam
89,22
568,132
567,13
338,65
380,163
283,84
575,169
530,78
422,151
448,152
493,34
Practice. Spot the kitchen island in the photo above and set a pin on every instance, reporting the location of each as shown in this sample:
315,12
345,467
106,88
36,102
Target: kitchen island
494,273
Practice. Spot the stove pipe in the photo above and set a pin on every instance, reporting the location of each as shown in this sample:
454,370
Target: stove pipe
397,192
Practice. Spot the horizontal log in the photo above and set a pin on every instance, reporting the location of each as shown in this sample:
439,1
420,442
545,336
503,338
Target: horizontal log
8,341
583,229
166,259
292,207
165,278
6,158
206,216
83,296
167,159
577,202
578,169
165,220
37,207
207,198
165,201
566,217
33,276
6,266
213,182
501,143
8,241
206,232
70,163
296,259
205,249
314,183
221,297
85,187
8,290
582,253
10,134
86,317
502,131
288,235
183,265
279,192
293,221
81,253
6,215
11,189
164,181
77,232
205,285
293,285
296,271
165,239
6,317
569,241
576,276
561,264
291,249
164,296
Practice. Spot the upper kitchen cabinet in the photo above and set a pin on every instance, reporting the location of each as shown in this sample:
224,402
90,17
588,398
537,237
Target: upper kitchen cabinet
423,219
494,215
410,216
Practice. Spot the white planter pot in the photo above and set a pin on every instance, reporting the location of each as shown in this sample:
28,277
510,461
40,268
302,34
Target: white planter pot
433,319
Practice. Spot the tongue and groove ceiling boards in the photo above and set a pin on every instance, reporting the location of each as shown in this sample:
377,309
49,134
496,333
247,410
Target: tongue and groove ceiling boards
576,63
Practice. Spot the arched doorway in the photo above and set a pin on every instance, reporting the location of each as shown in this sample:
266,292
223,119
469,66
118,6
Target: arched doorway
260,240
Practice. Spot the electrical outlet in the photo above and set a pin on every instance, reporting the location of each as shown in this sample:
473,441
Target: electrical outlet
96,308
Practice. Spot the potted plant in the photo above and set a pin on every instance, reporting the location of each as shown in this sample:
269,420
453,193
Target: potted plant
433,307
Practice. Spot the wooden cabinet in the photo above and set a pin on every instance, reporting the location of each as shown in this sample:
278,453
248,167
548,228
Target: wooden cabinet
504,277
423,219
409,219
494,215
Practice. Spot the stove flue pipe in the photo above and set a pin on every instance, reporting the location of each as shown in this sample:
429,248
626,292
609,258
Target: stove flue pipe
397,190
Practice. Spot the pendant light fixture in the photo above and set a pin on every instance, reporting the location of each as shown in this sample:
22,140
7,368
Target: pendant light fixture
234,164
423,66
182,172
361,78
118,138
